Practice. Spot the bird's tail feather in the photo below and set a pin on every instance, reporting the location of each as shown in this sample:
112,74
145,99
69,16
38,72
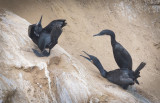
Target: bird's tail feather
137,71
140,67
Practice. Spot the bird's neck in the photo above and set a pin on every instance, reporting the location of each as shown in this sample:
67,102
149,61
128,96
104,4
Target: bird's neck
113,40
101,69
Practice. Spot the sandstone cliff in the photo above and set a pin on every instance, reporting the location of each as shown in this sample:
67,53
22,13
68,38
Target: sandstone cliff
59,78
24,77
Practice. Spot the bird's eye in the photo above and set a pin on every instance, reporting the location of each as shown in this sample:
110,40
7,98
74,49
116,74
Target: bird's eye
91,61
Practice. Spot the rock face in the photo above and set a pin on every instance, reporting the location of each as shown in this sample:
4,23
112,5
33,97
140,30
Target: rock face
59,78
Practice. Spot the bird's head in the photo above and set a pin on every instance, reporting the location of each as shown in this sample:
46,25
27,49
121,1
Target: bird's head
90,58
105,32
38,27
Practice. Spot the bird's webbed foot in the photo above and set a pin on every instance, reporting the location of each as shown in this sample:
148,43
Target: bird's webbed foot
37,53
124,86
42,54
135,79
137,82
45,53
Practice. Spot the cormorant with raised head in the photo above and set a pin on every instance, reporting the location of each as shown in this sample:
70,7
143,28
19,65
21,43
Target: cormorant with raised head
122,77
34,31
46,37
121,55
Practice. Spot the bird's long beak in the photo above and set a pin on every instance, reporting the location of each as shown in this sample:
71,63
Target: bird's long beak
87,57
86,53
96,35
39,23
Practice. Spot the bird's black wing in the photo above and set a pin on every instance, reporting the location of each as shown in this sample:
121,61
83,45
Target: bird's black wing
55,23
122,57
30,30
55,33
31,34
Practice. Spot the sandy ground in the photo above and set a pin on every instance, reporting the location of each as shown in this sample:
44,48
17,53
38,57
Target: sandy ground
136,25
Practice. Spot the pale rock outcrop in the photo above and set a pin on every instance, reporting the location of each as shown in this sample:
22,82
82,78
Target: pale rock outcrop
59,78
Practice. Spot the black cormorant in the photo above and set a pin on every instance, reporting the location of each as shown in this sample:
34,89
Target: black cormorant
46,37
121,55
122,77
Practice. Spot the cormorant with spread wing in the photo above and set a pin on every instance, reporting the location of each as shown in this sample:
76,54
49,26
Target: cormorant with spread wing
46,37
